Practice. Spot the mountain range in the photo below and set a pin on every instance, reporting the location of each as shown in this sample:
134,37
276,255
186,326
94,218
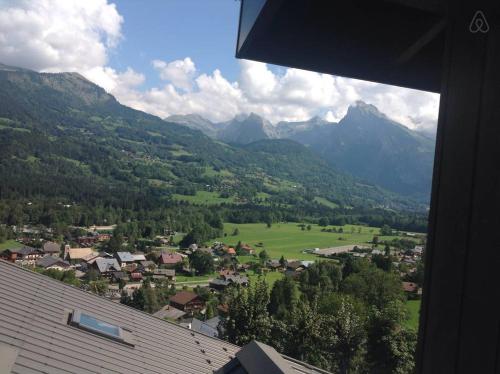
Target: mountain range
365,143
66,139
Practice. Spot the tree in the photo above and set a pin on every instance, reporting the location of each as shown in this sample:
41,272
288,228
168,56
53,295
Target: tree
374,286
308,227
391,346
248,318
375,240
283,298
282,261
323,221
201,262
385,230
236,232
263,256
99,287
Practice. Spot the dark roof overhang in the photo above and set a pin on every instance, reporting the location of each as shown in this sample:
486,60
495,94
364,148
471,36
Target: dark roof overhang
398,42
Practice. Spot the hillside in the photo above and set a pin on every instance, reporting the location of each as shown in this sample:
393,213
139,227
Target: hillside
62,137
365,143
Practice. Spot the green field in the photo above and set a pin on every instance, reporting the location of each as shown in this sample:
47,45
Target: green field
414,309
204,198
270,277
10,244
289,240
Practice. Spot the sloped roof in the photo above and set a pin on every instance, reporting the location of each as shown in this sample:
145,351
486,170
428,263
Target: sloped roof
51,247
48,261
33,323
79,253
170,258
183,297
107,264
139,257
125,256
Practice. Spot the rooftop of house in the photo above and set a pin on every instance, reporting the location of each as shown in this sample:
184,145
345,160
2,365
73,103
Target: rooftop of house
170,258
183,297
107,264
79,253
48,261
51,247
125,257
40,340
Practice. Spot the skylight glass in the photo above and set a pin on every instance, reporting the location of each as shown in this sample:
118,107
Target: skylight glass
101,326
92,324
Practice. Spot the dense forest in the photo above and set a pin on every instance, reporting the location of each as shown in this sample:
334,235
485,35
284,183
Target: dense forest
70,154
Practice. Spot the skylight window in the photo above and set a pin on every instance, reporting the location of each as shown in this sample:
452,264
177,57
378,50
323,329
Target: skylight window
91,324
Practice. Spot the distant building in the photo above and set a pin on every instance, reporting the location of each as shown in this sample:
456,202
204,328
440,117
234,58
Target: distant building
124,258
51,248
170,259
187,301
77,254
49,262
23,256
107,266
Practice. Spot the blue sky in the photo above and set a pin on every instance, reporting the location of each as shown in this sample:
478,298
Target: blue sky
170,57
204,30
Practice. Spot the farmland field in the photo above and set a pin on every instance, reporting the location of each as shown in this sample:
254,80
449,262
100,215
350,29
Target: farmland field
289,240
204,198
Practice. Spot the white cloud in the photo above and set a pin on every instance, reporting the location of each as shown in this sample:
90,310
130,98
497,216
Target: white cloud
48,35
179,72
75,35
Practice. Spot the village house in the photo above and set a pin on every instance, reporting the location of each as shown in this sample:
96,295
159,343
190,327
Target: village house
49,262
247,249
147,266
26,256
168,274
187,301
294,268
74,255
86,241
170,259
124,258
52,249
410,287
106,266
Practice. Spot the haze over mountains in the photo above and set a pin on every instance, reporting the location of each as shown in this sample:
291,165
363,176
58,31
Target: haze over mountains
365,143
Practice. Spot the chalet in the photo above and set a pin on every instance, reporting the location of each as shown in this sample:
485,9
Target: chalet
124,258
294,268
86,241
138,257
24,256
231,251
76,254
247,249
136,276
147,266
49,262
106,266
168,274
51,249
228,278
102,237
187,301
170,259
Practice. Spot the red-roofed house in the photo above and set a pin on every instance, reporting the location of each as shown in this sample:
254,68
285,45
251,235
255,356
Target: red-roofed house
170,259
187,301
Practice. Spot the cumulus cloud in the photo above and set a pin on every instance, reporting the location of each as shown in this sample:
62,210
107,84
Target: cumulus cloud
179,72
293,95
53,36
74,35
